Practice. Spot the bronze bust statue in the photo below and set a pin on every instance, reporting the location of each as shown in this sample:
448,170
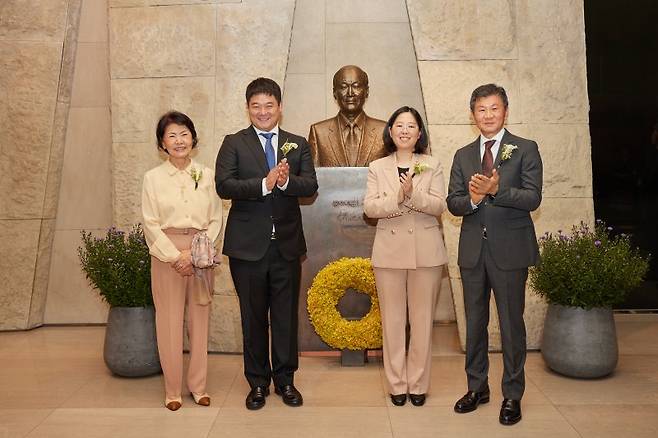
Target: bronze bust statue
351,139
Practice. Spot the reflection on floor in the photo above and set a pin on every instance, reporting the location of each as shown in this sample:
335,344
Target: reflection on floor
53,384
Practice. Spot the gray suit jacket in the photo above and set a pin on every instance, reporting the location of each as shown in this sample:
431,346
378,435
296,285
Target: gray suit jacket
510,230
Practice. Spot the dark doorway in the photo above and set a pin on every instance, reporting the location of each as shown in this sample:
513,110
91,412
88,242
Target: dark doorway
622,76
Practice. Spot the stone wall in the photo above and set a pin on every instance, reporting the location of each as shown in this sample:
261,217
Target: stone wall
536,50
197,56
37,48
85,197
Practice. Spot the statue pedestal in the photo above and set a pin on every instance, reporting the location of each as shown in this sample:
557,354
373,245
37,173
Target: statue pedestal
335,227
353,358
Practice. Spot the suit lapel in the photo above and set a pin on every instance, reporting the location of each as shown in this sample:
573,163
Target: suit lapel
474,156
505,140
391,172
366,146
419,179
336,142
256,148
281,140
284,136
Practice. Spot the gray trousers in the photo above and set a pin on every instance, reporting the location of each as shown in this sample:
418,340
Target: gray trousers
509,293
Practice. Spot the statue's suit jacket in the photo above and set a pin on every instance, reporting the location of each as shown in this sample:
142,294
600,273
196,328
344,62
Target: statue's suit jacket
510,231
329,151
240,168
408,234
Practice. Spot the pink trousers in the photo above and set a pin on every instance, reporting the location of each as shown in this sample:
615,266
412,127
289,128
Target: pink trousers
170,292
415,291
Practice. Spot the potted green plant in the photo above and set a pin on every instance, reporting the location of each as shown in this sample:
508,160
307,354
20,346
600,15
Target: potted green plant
119,267
582,275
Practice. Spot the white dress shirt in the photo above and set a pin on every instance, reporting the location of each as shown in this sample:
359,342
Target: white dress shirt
275,142
494,151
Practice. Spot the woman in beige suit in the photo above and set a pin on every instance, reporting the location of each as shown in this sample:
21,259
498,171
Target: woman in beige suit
178,201
406,192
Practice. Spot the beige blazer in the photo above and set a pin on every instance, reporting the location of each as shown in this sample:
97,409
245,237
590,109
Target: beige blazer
408,234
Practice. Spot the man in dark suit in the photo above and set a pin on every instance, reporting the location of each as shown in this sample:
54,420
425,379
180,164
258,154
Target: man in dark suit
263,170
495,182
351,138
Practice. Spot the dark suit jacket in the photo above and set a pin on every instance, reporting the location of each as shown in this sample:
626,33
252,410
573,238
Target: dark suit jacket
510,231
328,149
240,168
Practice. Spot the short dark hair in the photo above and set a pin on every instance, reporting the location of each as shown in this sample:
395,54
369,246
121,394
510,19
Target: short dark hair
177,118
423,141
263,86
486,91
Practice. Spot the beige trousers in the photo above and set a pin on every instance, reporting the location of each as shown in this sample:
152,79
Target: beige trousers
170,291
415,290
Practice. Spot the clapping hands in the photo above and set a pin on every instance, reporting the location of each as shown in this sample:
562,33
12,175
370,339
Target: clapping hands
278,175
406,182
481,185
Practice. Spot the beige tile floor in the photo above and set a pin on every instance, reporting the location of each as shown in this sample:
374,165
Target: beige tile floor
53,384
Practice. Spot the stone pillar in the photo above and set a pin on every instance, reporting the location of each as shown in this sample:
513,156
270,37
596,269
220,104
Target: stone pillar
85,199
37,48
536,50
198,58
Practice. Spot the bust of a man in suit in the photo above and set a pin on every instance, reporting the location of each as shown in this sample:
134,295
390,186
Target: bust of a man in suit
351,139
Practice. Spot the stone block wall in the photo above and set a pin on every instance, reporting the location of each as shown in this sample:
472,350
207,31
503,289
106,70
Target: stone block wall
198,55
536,50
37,48
85,197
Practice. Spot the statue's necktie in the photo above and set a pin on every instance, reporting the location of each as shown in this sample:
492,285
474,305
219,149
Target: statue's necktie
352,143
269,149
487,159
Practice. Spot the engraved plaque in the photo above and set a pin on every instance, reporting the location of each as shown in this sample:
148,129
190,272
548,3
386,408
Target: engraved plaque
334,227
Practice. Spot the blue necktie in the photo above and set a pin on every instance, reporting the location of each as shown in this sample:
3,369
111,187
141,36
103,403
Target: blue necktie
269,149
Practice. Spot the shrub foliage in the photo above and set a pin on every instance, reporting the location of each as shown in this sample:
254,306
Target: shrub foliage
588,268
119,266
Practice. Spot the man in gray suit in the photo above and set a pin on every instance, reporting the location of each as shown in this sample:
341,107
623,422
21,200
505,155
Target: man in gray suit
495,182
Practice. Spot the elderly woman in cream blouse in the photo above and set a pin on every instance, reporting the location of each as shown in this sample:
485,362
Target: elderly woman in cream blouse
179,200
406,192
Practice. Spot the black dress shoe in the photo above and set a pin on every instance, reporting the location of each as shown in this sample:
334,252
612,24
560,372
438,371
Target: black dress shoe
256,397
417,399
470,401
398,399
510,412
289,395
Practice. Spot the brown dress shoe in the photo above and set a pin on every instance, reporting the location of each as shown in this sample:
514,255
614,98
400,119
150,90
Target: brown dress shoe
173,405
202,400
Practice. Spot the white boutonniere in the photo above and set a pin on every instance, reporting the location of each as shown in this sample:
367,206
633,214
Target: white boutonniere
287,147
420,168
508,150
196,176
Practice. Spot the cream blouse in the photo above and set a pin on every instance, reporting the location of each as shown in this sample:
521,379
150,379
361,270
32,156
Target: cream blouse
169,200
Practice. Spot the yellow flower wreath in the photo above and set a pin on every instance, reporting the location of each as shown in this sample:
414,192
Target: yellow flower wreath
328,287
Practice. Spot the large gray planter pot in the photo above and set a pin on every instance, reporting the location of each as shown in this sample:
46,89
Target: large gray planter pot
131,348
578,342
